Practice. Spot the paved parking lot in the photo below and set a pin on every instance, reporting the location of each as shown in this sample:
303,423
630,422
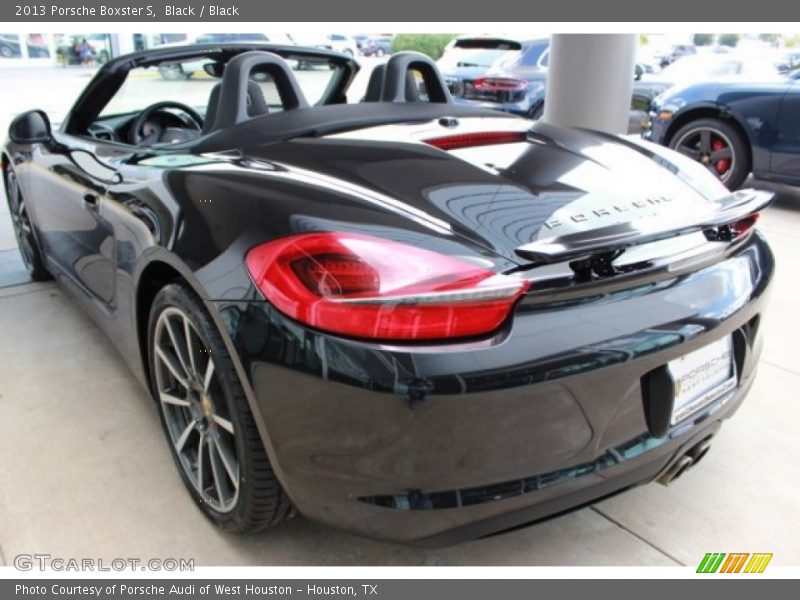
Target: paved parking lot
85,471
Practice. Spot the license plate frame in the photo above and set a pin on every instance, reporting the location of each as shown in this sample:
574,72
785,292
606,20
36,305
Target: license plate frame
702,377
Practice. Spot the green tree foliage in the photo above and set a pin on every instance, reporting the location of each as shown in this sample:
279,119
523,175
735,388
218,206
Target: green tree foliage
729,39
431,44
703,39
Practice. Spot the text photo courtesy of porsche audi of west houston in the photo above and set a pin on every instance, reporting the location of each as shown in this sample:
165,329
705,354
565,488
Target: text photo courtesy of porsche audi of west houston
369,307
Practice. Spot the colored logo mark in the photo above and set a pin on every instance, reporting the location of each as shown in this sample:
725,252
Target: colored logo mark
735,562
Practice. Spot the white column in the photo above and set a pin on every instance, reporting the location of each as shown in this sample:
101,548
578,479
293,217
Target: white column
590,81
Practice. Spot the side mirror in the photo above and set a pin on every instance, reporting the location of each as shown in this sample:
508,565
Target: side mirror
32,127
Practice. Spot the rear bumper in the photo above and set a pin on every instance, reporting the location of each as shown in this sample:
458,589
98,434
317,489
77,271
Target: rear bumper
522,108
435,446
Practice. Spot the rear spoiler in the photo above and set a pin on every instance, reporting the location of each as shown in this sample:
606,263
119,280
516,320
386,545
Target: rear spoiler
725,211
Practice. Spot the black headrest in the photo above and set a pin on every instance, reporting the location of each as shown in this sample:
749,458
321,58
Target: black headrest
256,104
234,102
396,82
375,86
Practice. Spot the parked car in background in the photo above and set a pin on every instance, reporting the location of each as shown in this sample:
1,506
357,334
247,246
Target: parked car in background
677,51
218,38
336,42
734,128
788,62
378,46
702,68
184,70
507,73
361,40
10,47
511,75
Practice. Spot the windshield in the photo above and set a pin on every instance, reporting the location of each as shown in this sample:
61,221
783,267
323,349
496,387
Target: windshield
188,82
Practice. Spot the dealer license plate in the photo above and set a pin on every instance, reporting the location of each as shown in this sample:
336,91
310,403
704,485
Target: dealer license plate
701,377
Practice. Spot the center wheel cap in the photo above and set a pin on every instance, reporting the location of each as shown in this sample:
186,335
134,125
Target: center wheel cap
205,404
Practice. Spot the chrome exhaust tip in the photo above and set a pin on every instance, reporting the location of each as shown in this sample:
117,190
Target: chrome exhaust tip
675,470
689,459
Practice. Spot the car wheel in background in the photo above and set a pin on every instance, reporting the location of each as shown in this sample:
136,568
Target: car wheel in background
536,112
23,230
380,52
718,146
212,436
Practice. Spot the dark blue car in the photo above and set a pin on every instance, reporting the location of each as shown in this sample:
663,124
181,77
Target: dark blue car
734,129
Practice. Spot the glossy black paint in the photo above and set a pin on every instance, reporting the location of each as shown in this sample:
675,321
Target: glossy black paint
346,420
767,114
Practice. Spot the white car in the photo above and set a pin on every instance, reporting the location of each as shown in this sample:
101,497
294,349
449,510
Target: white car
333,41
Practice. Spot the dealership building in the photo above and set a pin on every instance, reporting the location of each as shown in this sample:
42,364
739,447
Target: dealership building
48,49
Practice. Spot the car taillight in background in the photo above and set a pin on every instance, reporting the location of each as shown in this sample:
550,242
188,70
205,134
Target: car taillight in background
366,287
499,84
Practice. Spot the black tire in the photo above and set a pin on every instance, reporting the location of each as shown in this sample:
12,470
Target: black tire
29,248
380,52
536,112
230,432
688,140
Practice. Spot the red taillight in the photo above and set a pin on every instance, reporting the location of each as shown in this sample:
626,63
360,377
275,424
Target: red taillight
366,287
499,84
742,226
479,138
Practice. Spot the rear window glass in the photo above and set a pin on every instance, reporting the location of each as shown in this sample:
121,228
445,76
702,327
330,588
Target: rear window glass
487,44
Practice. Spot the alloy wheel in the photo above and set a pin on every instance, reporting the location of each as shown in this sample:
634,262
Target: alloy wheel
197,418
709,147
21,222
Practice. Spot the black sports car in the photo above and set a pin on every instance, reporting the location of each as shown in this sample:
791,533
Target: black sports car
412,319
734,128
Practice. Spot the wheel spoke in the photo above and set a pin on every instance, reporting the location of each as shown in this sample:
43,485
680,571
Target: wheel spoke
184,437
705,141
169,362
224,423
721,154
229,462
187,329
209,374
200,445
171,399
217,476
178,348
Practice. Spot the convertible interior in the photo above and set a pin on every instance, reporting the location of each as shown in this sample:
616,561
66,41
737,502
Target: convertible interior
253,93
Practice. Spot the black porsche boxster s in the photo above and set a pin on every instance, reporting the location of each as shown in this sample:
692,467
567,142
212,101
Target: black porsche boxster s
411,319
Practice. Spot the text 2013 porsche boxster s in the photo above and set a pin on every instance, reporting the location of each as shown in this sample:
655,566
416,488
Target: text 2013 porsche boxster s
411,319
